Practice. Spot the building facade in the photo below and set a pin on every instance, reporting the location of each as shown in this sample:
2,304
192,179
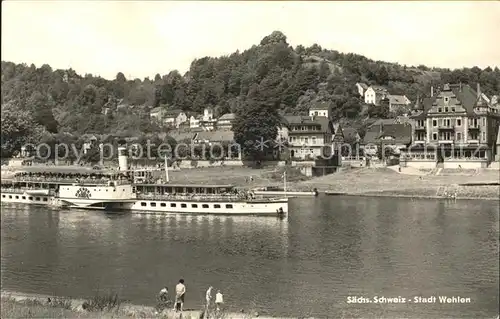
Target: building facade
456,128
225,122
310,137
374,94
361,87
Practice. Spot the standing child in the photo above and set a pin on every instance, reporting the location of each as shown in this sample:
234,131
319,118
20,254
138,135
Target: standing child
219,300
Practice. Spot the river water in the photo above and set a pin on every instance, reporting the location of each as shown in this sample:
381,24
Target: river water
328,249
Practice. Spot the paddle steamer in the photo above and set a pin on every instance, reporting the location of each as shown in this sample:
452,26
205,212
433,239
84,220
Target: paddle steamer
129,190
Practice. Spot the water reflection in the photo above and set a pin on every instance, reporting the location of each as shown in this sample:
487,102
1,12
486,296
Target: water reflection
329,248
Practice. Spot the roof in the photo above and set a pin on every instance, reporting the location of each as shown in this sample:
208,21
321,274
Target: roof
227,117
363,85
215,136
378,88
157,109
397,99
401,133
459,94
179,136
173,112
324,122
383,122
321,106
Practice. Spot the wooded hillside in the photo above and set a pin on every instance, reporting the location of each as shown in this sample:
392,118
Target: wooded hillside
64,101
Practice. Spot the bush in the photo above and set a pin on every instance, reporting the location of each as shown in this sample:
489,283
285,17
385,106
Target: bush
101,303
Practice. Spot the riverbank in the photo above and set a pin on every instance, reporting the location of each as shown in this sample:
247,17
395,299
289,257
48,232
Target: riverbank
22,305
386,182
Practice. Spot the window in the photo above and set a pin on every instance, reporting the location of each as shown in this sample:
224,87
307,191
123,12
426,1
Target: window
194,205
459,122
45,199
24,197
434,136
173,205
434,123
3,196
216,206
152,204
183,205
314,140
37,198
484,136
143,203
229,205
30,198
17,197
163,204
440,110
484,121
453,109
204,205
10,196
459,136
446,99
446,109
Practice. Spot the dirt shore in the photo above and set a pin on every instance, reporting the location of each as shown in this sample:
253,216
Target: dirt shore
389,183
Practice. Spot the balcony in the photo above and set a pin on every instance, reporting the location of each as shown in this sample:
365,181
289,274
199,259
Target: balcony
446,128
420,128
473,127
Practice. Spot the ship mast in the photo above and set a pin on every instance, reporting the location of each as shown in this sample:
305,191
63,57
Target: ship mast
284,181
166,169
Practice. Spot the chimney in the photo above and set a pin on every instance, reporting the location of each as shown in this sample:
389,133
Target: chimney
432,91
478,91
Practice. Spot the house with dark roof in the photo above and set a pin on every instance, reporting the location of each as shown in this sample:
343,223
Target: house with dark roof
323,109
225,122
194,120
398,103
374,94
309,137
392,135
455,128
174,117
361,87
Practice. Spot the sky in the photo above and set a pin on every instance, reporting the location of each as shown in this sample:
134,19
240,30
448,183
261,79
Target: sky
144,38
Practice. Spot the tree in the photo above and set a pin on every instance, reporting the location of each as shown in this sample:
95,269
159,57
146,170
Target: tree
256,125
18,129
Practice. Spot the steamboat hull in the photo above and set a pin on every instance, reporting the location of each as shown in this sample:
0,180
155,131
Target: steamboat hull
260,208
269,207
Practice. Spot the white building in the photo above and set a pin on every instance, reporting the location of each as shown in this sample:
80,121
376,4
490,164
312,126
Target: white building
374,94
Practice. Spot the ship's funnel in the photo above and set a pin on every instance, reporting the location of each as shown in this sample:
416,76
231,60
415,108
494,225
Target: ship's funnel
122,159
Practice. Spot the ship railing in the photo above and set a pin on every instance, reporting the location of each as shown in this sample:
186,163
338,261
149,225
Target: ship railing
68,180
214,197
22,190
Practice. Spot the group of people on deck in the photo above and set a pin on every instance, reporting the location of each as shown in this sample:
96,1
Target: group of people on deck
180,293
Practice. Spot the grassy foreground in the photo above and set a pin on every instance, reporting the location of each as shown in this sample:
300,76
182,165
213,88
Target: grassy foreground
105,307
